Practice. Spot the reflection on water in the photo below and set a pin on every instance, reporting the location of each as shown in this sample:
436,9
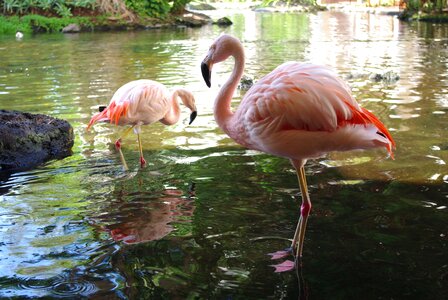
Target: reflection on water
81,226
145,217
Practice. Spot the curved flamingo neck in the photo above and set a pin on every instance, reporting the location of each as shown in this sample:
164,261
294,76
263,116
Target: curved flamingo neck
173,114
222,109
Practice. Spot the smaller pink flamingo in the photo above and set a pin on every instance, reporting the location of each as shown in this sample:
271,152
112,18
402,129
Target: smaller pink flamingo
143,102
298,111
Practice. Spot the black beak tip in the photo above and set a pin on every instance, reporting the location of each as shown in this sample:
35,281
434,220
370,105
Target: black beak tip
193,116
206,73
101,108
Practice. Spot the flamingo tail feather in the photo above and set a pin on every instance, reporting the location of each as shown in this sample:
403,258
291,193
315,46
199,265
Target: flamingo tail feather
111,113
365,117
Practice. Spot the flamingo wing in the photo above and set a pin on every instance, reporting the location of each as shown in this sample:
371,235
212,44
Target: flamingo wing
148,100
139,101
304,97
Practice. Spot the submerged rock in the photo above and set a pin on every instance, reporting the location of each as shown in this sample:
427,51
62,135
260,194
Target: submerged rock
245,83
388,77
223,22
27,140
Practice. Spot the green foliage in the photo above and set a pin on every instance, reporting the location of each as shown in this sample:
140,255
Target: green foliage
53,24
151,8
413,5
178,5
138,6
60,7
13,24
156,8
28,23
427,6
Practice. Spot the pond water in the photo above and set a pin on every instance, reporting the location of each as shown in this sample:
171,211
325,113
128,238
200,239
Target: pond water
200,218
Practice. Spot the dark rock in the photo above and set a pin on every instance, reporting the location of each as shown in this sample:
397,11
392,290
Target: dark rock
27,140
71,28
223,22
387,77
245,83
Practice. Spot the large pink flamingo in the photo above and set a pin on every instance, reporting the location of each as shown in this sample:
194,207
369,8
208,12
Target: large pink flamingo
298,111
142,102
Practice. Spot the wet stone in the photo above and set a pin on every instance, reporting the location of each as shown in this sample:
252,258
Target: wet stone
27,140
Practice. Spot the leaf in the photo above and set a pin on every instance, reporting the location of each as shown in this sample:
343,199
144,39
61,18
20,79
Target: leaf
285,266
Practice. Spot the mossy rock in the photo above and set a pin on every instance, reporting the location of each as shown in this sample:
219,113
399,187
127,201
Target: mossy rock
27,140
224,21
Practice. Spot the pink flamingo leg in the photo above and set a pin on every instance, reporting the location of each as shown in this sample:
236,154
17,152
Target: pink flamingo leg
118,147
305,209
142,159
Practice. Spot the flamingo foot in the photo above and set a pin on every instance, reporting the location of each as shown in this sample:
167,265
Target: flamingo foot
281,253
287,265
142,161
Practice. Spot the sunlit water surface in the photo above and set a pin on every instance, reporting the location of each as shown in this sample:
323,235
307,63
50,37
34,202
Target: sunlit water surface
198,221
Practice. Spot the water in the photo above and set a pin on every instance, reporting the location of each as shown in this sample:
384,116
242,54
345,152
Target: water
198,221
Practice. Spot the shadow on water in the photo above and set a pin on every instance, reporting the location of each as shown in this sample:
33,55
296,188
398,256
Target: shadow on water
4,177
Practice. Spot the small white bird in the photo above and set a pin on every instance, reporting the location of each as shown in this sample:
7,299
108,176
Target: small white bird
19,35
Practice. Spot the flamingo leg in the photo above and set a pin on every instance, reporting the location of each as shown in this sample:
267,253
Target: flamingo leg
118,147
137,131
142,160
299,235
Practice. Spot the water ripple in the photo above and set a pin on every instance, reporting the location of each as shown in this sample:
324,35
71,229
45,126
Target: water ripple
76,288
58,285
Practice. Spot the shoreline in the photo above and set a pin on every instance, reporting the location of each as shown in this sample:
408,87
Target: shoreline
192,17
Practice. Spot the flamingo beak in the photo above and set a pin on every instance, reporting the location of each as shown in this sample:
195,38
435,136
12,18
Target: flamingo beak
193,116
206,73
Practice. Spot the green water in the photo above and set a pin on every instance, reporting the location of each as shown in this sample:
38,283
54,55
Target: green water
199,220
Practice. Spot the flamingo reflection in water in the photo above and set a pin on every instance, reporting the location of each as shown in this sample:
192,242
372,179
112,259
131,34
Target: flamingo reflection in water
143,102
148,217
299,111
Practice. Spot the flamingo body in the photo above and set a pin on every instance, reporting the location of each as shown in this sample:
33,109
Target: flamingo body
143,102
301,111
298,111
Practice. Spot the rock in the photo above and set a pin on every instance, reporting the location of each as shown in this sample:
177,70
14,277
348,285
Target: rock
245,83
71,28
27,140
200,6
190,19
223,22
388,77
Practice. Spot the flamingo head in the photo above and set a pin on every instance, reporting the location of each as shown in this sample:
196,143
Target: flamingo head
220,50
188,100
